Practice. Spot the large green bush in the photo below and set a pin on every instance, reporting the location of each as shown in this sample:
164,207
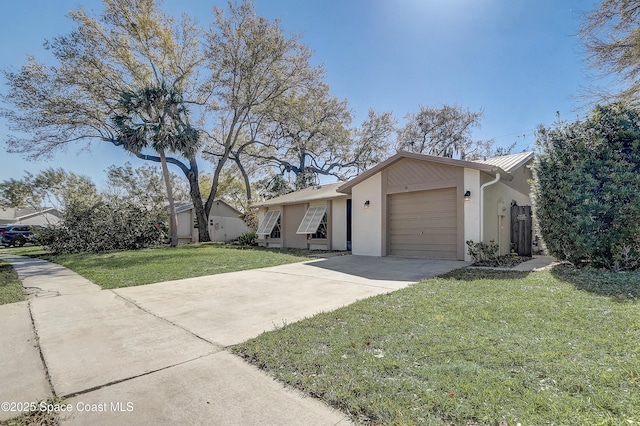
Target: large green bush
587,188
104,226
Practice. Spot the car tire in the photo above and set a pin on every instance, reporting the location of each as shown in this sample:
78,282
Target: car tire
18,242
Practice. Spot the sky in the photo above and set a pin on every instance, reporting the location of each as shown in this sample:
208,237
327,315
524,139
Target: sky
519,61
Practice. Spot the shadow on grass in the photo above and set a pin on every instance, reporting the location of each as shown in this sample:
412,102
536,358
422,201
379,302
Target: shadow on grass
472,274
620,286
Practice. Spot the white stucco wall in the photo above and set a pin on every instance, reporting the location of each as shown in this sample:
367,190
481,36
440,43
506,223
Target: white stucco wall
223,229
185,227
498,227
339,224
367,223
471,209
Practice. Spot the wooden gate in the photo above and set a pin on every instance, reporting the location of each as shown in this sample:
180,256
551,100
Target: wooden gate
521,230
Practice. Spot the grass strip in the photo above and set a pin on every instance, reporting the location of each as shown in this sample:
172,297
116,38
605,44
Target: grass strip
11,289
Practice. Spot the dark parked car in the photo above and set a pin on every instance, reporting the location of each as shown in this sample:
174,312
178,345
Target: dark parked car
16,235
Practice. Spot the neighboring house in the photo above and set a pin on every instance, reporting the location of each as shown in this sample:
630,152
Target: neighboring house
410,205
225,222
47,216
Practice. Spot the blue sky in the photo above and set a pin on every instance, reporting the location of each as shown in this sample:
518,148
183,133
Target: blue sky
517,60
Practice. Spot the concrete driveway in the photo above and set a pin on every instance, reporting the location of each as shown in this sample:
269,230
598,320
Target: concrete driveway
156,354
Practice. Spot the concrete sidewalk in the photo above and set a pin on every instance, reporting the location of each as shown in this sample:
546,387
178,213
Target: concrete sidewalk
537,263
156,353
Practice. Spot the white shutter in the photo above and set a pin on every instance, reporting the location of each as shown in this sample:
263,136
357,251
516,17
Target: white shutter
269,221
311,220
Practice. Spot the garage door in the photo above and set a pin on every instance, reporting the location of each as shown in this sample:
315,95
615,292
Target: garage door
424,224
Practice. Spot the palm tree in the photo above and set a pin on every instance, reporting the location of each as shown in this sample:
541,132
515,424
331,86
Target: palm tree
155,117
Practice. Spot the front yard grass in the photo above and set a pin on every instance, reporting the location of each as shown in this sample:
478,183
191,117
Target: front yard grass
11,289
139,267
472,347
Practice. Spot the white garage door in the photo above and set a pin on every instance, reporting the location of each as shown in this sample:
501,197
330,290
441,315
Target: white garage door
424,224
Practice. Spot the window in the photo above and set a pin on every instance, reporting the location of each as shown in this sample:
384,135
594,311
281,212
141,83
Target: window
314,222
269,222
321,232
275,233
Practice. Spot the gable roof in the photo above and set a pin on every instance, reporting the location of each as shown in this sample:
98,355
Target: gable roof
183,206
505,165
313,193
490,168
17,214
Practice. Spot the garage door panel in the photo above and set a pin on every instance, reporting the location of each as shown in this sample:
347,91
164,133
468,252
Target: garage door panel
448,248
426,205
424,224
419,225
404,232
430,254
419,214
414,241
433,194
405,198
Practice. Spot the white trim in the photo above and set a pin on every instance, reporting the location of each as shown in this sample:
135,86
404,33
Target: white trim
269,222
311,220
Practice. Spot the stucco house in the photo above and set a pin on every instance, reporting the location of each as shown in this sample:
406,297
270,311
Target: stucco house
410,205
316,218
225,222
29,216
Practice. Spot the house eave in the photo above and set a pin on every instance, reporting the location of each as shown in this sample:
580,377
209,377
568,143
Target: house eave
299,201
492,170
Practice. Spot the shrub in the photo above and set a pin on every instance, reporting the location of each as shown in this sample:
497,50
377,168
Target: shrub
248,238
250,217
483,252
103,227
587,189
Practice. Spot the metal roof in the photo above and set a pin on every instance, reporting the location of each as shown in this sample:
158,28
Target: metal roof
313,193
509,163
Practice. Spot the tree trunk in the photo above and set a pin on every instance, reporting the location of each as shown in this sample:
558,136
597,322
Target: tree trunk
196,199
245,177
173,217
216,179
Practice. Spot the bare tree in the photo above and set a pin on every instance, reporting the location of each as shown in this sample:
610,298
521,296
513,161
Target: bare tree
444,131
611,35
310,135
254,66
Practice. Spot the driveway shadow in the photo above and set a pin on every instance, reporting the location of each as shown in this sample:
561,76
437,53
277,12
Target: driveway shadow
388,268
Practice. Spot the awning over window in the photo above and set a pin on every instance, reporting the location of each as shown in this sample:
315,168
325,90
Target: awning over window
311,220
269,221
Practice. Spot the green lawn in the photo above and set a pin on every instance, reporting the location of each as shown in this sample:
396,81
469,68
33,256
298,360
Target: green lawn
139,267
472,347
11,289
